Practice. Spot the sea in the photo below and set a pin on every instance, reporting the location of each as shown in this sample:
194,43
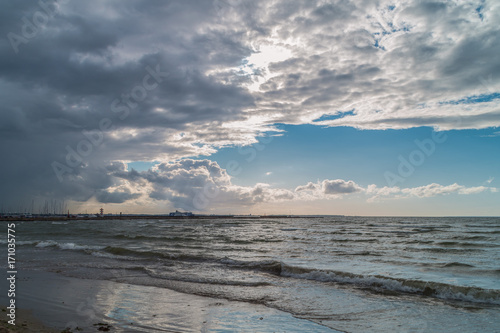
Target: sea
349,274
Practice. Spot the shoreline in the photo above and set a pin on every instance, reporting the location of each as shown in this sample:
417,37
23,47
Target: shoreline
51,302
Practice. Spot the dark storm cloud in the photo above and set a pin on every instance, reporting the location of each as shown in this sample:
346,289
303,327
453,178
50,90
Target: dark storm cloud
115,197
64,79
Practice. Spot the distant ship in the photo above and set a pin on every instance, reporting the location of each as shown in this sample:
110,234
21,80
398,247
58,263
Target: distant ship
177,213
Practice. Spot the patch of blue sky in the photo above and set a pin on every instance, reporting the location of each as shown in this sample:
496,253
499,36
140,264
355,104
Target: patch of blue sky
141,166
310,152
378,46
478,10
338,115
474,99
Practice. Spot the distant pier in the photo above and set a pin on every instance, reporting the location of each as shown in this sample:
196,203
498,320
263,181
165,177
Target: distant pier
144,217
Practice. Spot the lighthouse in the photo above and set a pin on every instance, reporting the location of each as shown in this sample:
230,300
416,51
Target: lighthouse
102,212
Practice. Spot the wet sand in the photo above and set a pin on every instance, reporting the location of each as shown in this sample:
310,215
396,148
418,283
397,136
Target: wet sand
26,323
60,302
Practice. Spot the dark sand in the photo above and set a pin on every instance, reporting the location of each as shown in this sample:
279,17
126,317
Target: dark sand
25,322
60,302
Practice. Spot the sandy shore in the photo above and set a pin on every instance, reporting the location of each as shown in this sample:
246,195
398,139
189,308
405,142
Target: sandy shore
51,302
27,323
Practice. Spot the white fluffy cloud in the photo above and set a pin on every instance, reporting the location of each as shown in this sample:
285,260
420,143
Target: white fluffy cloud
426,191
198,185
202,185
328,188
371,64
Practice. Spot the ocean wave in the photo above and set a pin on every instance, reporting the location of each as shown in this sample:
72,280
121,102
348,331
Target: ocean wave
485,238
26,242
124,252
465,244
101,254
268,266
426,229
486,225
361,253
415,241
204,280
120,251
18,242
377,283
383,283
65,246
153,237
456,264
266,240
443,250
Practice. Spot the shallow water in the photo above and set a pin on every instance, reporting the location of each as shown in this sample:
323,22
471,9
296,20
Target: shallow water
81,304
347,273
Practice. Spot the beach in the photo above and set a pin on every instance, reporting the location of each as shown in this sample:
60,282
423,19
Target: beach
51,302
26,323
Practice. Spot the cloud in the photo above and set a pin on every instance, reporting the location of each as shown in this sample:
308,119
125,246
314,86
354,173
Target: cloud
198,185
395,64
339,186
97,68
126,81
309,187
327,189
202,186
115,197
426,191
493,135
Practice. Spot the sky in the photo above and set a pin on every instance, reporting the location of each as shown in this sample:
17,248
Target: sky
251,107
